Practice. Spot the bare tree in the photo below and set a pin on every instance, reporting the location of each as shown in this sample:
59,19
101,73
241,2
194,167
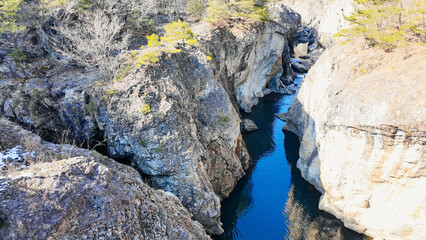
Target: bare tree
96,37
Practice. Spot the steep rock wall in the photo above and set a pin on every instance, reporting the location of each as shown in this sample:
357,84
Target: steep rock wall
360,116
248,55
188,143
326,16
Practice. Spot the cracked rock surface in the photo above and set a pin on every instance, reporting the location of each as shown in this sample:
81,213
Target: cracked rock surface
360,118
64,192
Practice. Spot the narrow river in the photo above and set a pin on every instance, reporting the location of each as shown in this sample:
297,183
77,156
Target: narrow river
273,201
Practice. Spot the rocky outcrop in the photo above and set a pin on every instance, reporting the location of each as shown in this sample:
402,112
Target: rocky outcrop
282,116
174,121
248,55
327,17
249,125
64,192
177,124
360,116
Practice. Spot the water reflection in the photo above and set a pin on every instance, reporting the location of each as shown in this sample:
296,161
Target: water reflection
273,201
304,220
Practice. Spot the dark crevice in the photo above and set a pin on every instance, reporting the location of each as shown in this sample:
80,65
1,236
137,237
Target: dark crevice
97,143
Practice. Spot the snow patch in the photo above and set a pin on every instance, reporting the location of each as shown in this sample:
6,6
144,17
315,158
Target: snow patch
13,154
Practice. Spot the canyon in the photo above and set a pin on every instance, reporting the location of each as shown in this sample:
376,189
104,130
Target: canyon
155,154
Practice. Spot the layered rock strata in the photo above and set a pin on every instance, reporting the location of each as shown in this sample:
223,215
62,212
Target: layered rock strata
360,116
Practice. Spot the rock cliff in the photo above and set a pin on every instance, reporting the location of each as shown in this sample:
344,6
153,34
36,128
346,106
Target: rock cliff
247,55
176,121
360,116
327,17
50,191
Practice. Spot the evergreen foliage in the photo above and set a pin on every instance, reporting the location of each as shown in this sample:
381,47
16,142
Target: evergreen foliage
17,55
196,8
237,9
387,23
8,15
175,33
53,3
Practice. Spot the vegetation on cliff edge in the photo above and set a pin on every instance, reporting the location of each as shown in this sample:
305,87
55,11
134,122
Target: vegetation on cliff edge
387,23
175,33
217,10
8,14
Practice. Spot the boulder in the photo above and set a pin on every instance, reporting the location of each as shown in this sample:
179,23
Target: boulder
249,125
277,85
300,67
300,49
282,116
286,80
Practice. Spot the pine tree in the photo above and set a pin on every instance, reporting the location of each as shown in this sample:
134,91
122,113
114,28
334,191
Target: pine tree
8,14
387,23
237,9
196,8
175,33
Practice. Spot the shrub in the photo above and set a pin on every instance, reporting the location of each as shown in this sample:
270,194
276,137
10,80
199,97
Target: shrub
196,8
387,23
37,93
53,3
178,31
223,120
91,108
140,24
8,15
237,9
175,33
18,55
146,109
123,72
142,143
97,37
158,149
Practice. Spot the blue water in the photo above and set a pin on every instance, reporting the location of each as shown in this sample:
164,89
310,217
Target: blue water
273,201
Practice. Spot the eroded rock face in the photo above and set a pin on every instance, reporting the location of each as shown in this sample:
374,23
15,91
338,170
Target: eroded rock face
360,116
189,140
64,192
247,58
174,121
327,17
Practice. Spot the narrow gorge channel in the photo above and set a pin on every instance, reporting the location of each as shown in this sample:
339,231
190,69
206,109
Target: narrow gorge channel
273,201
212,119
